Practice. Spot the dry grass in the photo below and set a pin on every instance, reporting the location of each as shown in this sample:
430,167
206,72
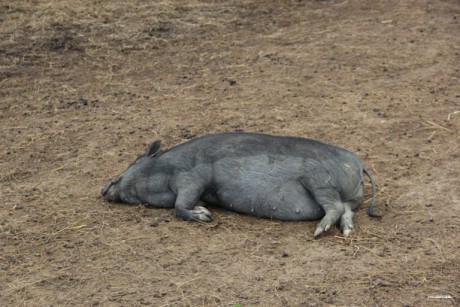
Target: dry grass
84,87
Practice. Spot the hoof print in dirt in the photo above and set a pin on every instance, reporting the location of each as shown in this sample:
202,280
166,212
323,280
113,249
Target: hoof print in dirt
77,103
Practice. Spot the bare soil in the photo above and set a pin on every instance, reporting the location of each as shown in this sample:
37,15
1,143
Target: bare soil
86,85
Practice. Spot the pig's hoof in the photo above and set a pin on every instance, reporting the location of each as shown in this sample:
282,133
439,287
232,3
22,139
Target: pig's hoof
201,214
346,232
346,225
331,218
321,228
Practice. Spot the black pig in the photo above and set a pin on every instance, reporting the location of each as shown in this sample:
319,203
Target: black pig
284,178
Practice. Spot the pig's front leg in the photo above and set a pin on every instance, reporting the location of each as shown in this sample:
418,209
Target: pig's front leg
189,190
161,200
187,209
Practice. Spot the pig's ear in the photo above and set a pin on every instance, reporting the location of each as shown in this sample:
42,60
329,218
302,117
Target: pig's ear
153,149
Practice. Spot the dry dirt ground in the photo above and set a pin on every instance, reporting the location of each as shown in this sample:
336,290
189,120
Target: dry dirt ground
86,85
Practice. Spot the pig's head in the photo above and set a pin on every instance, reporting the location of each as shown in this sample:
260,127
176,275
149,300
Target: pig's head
125,187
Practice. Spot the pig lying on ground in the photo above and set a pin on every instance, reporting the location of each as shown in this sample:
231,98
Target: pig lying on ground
284,178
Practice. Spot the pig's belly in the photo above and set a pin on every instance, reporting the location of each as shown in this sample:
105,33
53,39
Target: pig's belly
277,199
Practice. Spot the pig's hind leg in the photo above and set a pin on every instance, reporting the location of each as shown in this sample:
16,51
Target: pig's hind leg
346,220
333,207
329,199
322,188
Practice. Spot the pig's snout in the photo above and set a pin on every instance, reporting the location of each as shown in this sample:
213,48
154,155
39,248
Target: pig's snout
106,188
110,190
